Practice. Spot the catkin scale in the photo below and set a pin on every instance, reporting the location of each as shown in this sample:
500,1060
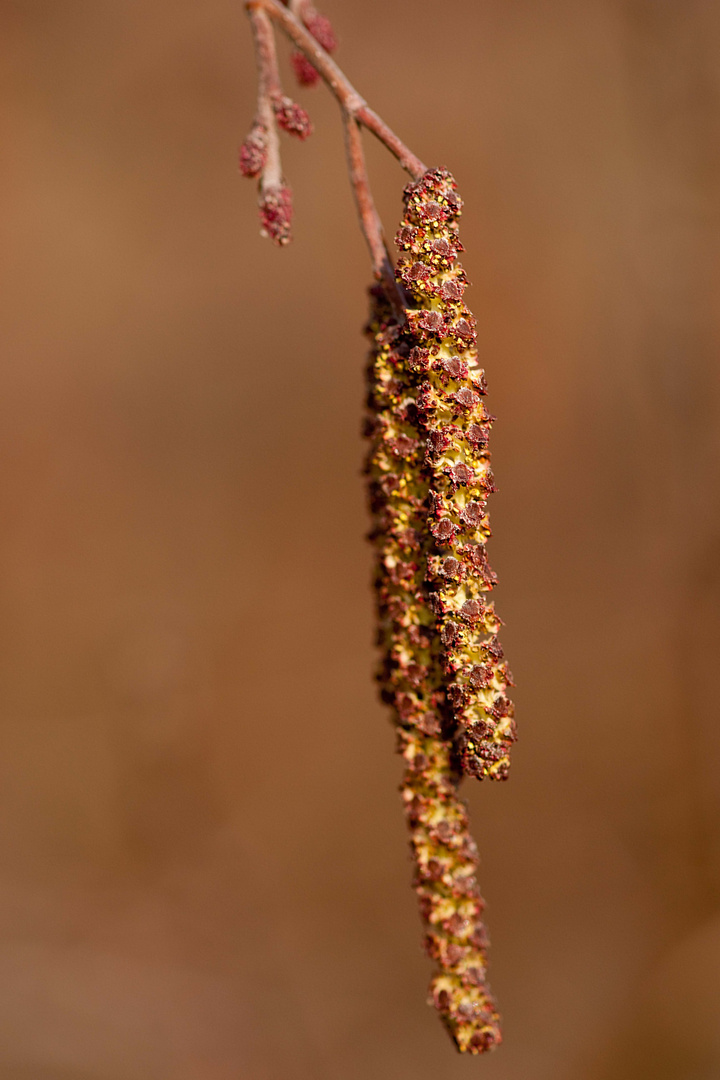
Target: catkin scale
440,335
411,679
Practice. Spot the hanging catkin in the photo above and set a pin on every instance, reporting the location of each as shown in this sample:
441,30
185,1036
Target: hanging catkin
449,387
428,467
410,672
411,679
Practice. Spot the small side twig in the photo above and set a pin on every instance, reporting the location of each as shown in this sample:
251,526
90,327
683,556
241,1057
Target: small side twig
340,86
260,155
268,85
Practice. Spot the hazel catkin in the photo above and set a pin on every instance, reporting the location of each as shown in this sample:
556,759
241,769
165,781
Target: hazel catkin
411,679
440,336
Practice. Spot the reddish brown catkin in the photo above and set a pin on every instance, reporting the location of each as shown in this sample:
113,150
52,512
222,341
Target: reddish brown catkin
449,390
411,679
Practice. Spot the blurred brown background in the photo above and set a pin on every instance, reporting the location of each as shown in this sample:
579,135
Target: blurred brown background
204,873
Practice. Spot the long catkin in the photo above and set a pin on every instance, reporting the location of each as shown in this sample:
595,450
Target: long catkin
451,416
441,668
411,677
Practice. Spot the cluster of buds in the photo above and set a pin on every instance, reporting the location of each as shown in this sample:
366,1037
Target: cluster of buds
260,153
321,29
290,116
413,683
276,214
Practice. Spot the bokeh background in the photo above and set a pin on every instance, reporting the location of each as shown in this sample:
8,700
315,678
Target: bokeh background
203,867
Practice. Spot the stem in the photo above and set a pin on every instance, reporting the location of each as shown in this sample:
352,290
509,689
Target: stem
369,217
370,119
345,93
268,84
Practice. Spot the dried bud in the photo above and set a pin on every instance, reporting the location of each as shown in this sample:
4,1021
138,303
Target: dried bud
253,152
291,117
276,212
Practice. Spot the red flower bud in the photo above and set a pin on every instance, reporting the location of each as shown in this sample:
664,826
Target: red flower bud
321,29
291,117
253,152
306,74
276,212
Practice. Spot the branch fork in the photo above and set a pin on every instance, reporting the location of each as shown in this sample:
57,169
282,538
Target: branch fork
314,39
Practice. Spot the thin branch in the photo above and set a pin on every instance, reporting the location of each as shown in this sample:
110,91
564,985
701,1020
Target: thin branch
268,84
369,217
345,93
266,53
370,119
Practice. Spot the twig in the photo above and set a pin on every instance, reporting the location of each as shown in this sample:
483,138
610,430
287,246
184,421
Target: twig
369,218
345,93
355,113
268,84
